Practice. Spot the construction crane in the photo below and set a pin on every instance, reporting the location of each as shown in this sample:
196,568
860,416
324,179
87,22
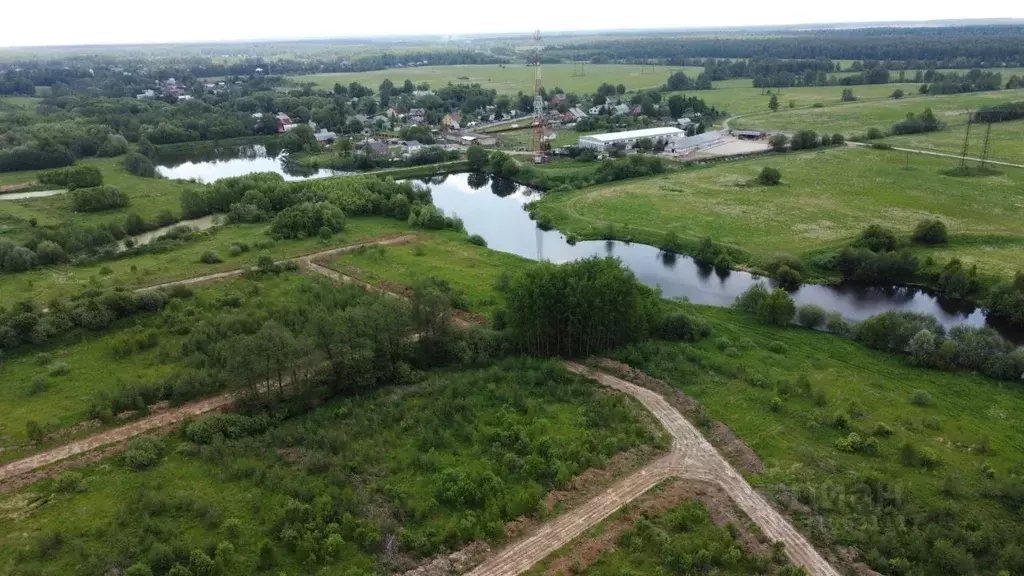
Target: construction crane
538,104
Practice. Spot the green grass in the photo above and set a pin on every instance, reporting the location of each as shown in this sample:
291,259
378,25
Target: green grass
18,104
517,139
826,198
148,197
854,118
473,270
735,376
94,370
1006,140
375,465
507,80
143,270
738,96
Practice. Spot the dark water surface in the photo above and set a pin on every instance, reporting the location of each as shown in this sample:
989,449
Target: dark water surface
495,211
212,164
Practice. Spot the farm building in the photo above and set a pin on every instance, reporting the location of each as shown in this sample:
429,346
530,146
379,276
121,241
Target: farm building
685,144
602,142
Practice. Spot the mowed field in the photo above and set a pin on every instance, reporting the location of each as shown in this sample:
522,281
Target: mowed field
508,79
856,117
826,198
738,96
12,104
1006,140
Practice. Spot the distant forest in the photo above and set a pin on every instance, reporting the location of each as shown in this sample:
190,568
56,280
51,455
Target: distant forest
961,47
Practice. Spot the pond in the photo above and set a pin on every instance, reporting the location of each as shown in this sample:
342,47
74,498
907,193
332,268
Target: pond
494,209
210,164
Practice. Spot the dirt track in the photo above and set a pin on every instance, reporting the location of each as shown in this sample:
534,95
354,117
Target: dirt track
692,457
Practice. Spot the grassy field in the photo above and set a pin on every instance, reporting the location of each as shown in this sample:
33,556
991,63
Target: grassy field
738,96
23,104
516,139
969,424
967,427
1006,140
825,199
398,475
509,79
856,117
148,197
181,262
473,270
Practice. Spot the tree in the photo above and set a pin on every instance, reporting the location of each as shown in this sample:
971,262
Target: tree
811,316
477,158
676,106
848,95
139,164
778,142
777,308
407,87
620,89
930,232
300,139
146,147
773,103
769,176
897,94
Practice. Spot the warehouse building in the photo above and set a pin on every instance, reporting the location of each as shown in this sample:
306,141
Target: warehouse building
602,142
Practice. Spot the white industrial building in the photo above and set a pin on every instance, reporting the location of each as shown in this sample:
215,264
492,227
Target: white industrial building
601,142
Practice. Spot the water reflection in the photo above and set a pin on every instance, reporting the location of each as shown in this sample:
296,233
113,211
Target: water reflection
502,221
209,164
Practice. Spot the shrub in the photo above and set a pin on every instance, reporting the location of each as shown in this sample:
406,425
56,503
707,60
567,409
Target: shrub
788,277
775,405
39,385
930,232
874,134
777,347
777,309
115,145
769,176
49,252
921,398
138,569
811,316
679,326
477,240
897,94
306,219
69,482
877,239
98,199
881,430
236,250
210,257
19,259
779,142
72,178
143,452
671,242
139,165
751,299
838,139
893,331
58,369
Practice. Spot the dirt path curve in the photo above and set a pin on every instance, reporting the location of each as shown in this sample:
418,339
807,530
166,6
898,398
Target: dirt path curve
692,457
302,260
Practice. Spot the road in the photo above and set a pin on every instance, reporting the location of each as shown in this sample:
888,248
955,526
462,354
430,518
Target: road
691,457
942,154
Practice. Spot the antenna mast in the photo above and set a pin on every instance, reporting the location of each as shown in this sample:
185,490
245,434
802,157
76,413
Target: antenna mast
538,101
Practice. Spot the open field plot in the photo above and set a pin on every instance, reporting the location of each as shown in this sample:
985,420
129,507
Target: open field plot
18,104
826,198
738,96
182,261
395,476
854,118
1006,141
517,139
93,363
148,198
472,270
508,79
829,388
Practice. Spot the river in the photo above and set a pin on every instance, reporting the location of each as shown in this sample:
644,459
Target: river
507,227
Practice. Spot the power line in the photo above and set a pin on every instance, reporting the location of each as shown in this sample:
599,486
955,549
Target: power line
967,139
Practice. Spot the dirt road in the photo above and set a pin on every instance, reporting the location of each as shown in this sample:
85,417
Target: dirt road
692,457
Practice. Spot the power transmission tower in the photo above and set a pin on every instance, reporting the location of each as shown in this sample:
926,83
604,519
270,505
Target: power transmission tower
538,102
984,150
967,140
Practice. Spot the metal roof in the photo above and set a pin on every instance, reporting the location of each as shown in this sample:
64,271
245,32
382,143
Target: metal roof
696,140
633,134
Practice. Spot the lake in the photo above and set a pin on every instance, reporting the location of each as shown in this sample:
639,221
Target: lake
494,209
211,164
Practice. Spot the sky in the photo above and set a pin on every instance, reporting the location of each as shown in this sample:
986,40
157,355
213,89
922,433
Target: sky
76,22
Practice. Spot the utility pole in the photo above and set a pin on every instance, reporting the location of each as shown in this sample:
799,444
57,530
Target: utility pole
967,139
538,102
984,150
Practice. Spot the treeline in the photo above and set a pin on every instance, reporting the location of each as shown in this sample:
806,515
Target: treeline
974,81
974,44
1000,113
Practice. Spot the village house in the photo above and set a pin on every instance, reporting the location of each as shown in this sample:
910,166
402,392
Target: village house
325,136
376,147
451,121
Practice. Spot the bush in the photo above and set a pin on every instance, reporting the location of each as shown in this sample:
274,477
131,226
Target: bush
769,176
58,369
478,240
893,331
788,278
210,257
921,398
679,326
18,259
751,299
98,199
881,430
811,316
777,347
139,165
72,178
877,239
777,309
838,139
779,142
930,232
897,94
50,253
306,219
670,242
874,134
143,452
69,482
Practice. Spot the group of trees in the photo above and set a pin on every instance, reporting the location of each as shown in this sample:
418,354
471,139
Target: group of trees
916,124
98,199
804,140
680,81
975,80
72,178
1000,113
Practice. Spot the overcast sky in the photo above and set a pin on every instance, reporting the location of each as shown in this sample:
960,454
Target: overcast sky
67,22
